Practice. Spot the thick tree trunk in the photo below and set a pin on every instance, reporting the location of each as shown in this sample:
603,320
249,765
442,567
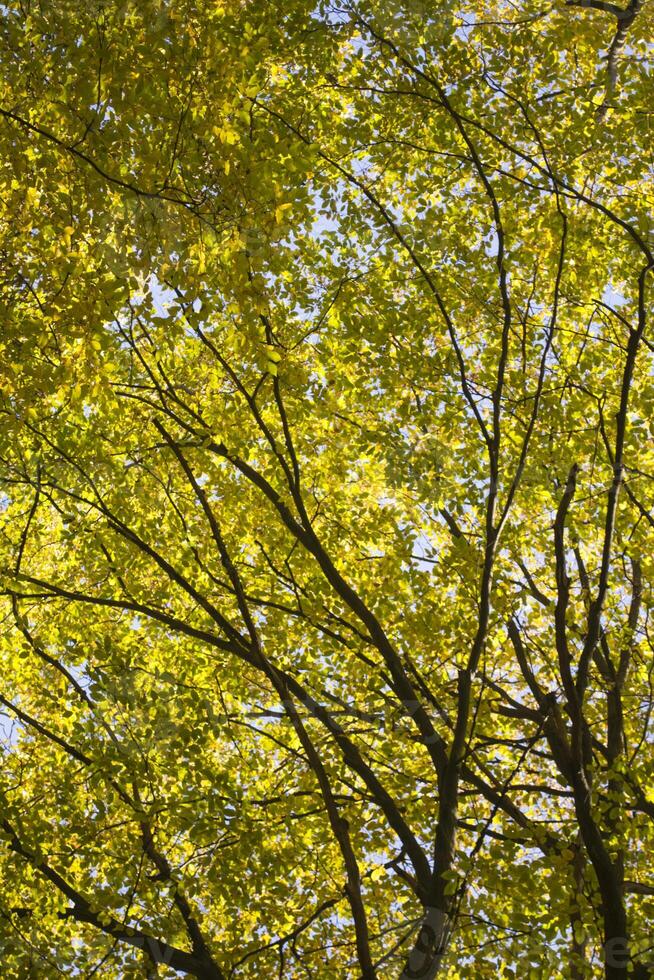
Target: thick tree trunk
426,957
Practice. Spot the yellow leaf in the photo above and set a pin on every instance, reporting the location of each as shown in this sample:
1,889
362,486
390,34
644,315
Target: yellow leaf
279,212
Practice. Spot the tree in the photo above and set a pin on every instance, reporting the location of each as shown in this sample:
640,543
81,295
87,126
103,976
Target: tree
327,505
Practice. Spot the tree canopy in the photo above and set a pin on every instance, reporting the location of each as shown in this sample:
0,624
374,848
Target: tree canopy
326,489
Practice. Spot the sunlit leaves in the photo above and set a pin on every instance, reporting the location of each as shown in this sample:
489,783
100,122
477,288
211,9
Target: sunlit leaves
287,298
